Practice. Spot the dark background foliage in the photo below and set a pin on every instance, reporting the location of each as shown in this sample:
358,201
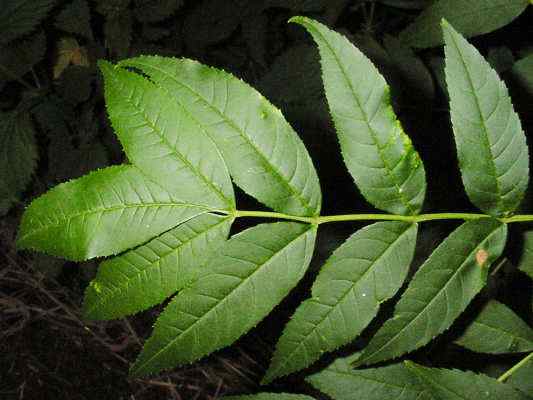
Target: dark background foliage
53,127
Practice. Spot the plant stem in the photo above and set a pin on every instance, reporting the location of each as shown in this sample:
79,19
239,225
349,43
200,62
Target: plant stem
377,217
515,367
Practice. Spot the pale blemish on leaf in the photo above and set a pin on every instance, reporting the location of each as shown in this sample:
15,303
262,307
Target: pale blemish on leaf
481,257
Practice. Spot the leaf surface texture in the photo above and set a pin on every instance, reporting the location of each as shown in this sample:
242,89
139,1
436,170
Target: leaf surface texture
250,275
491,146
496,330
361,274
147,275
265,157
100,214
379,155
440,290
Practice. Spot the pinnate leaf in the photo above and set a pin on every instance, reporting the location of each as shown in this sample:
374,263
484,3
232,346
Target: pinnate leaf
376,150
440,290
497,329
341,382
448,384
491,146
265,157
361,274
250,275
147,275
162,140
471,18
100,214
20,17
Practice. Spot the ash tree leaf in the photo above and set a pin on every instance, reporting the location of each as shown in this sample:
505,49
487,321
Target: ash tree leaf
146,275
491,145
156,10
76,18
440,290
269,396
496,330
18,156
265,157
341,382
362,273
20,17
161,138
526,259
376,150
252,272
452,384
100,214
521,379
471,18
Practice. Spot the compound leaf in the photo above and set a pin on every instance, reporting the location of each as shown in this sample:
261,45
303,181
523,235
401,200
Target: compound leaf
252,272
440,290
521,379
496,330
526,259
163,141
102,213
265,157
341,382
361,274
491,146
18,156
377,152
20,17
448,384
147,275
269,396
471,18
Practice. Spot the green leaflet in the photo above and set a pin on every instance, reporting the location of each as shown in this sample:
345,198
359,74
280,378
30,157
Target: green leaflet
361,274
18,156
147,275
264,155
521,379
448,384
526,259
102,213
250,275
341,382
20,17
522,73
491,146
497,329
440,290
269,396
471,18
163,141
377,152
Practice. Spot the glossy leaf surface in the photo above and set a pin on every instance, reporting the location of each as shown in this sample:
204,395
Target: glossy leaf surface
471,18
440,290
496,330
250,275
452,384
163,141
491,146
361,274
265,157
100,214
147,275
379,155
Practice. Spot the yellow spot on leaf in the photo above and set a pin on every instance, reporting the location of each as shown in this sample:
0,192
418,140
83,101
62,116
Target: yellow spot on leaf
481,257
